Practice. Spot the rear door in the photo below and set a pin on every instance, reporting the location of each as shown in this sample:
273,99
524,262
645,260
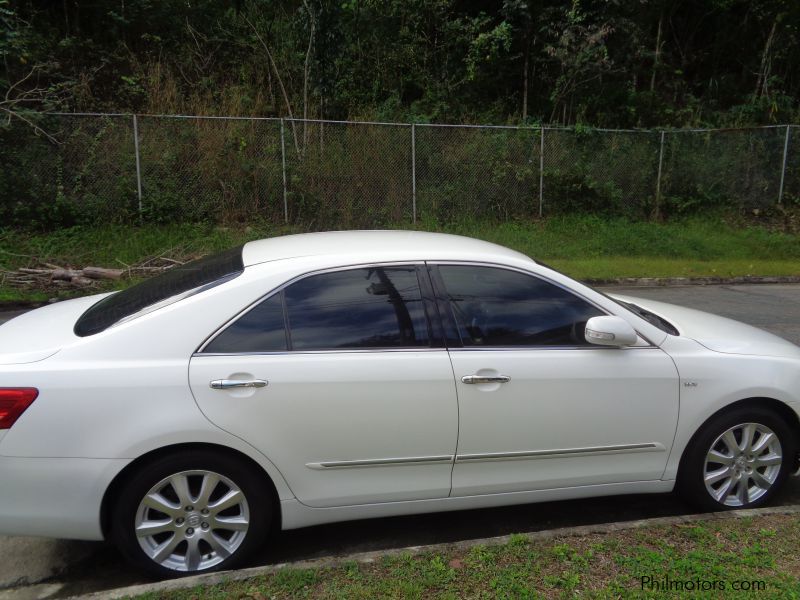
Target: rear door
355,400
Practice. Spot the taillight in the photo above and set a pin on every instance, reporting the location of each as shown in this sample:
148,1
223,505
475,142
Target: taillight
13,402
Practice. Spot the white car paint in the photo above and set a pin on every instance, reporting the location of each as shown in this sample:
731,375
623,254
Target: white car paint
107,399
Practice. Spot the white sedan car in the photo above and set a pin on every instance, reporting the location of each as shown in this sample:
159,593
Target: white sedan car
332,376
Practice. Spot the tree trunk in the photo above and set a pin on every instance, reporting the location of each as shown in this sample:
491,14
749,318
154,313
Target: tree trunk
306,70
280,83
763,72
525,82
657,55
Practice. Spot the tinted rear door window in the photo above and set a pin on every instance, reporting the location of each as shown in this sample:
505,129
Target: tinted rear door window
378,307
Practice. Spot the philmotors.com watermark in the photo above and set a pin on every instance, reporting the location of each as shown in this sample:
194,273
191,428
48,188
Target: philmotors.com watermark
665,583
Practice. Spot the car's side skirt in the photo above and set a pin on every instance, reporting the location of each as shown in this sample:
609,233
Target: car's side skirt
295,514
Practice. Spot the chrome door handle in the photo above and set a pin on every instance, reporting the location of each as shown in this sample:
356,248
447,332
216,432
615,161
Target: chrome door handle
226,384
486,379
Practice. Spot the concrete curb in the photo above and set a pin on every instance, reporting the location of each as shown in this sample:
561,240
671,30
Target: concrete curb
674,281
371,557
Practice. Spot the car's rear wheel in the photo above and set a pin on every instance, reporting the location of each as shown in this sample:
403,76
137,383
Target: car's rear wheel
191,512
739,459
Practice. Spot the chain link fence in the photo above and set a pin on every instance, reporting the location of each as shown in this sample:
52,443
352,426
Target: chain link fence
93,168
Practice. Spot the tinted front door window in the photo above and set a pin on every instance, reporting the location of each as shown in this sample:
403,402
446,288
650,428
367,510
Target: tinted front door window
498,307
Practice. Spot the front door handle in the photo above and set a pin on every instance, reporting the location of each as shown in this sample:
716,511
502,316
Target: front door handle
486,379
227,384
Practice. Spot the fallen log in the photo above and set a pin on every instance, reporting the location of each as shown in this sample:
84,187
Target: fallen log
65,274
101,273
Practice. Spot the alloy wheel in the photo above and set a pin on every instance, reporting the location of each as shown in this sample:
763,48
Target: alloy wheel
742,464
192,520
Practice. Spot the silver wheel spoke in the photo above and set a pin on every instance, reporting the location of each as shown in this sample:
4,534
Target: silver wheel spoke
763,442
157,502
230,523
180,483
719,457
219,545
743,492
747,437
731,442
210,482
768,460
717,475
232,498
724,490
759,480
154,527
163,551
193,555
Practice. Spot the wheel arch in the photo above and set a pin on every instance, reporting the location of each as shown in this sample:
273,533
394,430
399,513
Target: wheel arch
112,491
780,408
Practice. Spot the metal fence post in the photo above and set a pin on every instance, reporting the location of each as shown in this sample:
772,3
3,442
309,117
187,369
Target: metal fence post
541,170
283,161
783,168
413,173
138,163
658,176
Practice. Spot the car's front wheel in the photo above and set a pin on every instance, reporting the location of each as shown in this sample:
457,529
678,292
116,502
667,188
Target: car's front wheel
739,459
191,512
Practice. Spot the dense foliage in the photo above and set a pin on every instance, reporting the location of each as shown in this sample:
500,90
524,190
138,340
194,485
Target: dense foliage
631,63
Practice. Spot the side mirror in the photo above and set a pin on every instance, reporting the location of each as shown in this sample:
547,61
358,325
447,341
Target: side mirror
610,331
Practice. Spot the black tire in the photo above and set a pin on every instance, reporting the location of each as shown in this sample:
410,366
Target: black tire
691,476
198,527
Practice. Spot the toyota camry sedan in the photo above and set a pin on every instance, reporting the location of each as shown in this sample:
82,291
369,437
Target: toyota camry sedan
323,377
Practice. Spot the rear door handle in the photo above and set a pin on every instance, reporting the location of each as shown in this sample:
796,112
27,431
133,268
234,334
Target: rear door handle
486,379
227,384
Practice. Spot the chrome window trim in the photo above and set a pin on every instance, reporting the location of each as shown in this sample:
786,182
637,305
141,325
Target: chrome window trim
545,348
561,452
454,263
334,351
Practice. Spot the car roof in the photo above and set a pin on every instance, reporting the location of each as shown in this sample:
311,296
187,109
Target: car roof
377,246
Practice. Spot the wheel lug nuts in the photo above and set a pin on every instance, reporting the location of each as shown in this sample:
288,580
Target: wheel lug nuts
189,531
179,520
204,511
189,508
204,525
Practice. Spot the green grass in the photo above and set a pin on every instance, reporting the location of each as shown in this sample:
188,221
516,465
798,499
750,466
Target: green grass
761,553
584,247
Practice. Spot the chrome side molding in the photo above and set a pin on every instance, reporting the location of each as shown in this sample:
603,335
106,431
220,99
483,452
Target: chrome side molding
381,462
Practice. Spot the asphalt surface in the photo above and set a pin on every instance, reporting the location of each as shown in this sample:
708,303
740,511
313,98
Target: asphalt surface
70,568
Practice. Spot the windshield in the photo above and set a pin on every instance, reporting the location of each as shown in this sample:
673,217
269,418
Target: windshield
166,288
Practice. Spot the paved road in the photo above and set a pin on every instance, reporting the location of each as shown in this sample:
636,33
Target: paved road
79,567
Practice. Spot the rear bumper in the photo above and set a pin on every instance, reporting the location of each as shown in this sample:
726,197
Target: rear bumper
54,497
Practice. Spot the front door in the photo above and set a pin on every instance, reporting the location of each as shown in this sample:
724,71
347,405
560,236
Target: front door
539,407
